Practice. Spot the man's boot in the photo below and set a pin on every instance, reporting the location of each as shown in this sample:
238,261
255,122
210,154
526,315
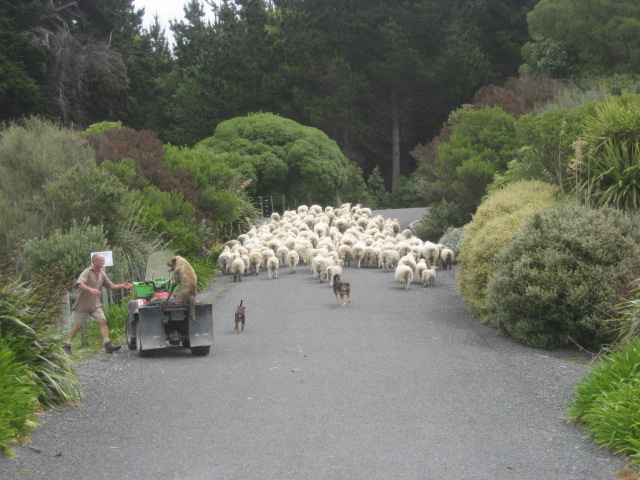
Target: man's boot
110,347
67,348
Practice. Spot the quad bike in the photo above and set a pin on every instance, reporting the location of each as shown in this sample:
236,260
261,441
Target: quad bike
156,321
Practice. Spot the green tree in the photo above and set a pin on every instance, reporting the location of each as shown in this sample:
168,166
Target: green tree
482,143
281,156
547,146
22,77
587,37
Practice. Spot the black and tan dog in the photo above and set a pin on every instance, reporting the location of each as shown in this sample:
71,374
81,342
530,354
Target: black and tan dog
341,289
240,318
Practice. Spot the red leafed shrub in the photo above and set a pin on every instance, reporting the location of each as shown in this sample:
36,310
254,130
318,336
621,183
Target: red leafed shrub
146,149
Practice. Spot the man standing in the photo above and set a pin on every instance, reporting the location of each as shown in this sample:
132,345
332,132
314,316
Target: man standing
88,304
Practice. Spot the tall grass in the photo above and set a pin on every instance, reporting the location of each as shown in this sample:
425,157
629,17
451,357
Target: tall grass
34,370
607,402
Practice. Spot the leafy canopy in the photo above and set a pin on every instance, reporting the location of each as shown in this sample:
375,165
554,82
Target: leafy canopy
281,156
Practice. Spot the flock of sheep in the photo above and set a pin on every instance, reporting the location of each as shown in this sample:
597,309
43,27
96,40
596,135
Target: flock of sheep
330,239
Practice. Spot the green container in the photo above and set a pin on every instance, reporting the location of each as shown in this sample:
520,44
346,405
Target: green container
146,289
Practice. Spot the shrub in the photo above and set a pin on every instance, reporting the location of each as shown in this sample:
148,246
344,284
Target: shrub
491,229
452,238
442,216
606,402
562,275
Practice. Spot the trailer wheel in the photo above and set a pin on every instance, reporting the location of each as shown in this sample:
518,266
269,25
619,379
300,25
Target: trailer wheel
139,350
200,351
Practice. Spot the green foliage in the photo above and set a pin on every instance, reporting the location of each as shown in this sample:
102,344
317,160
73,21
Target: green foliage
607,171
86,192
491,230
116,314
355,190
19,400
626,325
407,192
101,127
452,238
481,144
43,356
70,249
32,153
170,216
281,156
546,140
205,268
607,405
561,276
594,37
441,216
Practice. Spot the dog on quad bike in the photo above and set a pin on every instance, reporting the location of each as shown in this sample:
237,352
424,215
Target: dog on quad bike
184,276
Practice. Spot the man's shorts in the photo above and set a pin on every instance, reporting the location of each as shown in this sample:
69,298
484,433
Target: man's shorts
81,318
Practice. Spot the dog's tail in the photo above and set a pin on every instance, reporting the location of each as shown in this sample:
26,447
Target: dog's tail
192,308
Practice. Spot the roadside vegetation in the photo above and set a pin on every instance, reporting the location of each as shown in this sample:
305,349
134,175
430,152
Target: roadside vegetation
529,162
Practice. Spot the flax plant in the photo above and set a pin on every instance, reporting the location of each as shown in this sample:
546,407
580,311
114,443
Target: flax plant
607,161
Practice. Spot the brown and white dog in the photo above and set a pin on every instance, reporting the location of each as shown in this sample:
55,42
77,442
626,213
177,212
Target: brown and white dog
184,276
240,318
341,289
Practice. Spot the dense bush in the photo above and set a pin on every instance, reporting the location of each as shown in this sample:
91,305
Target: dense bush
607,404
281,156
441,217
491,230
452,238
561,276
32,153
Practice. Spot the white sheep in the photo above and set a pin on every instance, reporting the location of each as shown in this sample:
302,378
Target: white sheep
420,267
237,268
389,259
447,257
408,260
273,264
404,275
333,270
292,260
357,252
255,259
320,265
428,277
224,260
430,252
344,252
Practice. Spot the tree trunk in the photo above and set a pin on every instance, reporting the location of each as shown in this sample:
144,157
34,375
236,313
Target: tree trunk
395,140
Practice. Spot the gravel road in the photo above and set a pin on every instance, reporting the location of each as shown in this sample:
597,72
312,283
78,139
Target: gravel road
398,385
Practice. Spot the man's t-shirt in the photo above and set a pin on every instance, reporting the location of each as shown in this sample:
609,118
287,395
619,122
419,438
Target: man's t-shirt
86,301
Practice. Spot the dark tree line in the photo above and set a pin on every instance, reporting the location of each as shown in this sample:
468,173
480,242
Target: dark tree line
379,77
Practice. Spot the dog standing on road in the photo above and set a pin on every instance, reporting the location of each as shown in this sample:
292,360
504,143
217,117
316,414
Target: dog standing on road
184,276
341,289
240,318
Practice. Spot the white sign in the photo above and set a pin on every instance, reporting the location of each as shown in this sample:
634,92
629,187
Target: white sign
108,257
